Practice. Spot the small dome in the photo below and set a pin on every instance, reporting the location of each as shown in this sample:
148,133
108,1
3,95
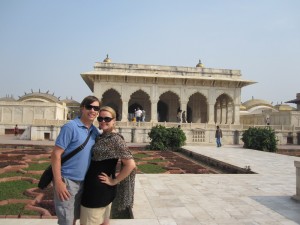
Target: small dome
71,102
8,98
243,108
200,64
284,107
256,102
107,60
39,97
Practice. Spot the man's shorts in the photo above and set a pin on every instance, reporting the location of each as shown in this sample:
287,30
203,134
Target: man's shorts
67,211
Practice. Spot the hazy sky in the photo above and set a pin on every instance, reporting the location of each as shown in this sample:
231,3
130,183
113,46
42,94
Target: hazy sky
46,45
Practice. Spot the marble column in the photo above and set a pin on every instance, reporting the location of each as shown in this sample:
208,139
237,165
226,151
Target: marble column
211,113
236,116
297,196
124,111
154,112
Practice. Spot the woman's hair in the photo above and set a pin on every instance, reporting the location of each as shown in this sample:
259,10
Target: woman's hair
108,109
89,100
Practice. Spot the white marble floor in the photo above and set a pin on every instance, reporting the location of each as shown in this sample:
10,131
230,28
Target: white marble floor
215,199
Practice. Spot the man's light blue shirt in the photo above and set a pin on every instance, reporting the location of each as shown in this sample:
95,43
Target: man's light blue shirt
71,136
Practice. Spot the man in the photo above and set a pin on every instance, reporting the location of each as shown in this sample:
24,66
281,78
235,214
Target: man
16,130
138,115
143,115
68,178
218,136
179,116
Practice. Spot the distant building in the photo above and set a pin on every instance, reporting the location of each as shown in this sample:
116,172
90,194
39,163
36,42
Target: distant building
296,101
260,112
34,106
209,97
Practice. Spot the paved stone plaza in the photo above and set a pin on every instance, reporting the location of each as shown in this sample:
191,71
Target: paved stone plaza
213,199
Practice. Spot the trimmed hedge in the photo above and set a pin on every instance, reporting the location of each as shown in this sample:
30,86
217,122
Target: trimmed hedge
163,138
263,139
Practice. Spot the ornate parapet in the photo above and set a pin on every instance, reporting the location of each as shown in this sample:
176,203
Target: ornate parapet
297,196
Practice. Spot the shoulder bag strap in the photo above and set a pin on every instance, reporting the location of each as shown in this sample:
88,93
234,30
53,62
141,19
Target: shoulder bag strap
70,155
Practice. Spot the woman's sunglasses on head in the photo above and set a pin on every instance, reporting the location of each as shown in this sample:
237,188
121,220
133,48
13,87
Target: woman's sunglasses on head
105,119
90,107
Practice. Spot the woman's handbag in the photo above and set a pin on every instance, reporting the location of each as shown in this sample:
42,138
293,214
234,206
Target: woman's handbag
47,176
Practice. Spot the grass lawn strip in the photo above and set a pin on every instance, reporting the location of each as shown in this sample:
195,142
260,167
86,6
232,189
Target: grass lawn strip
14,189
151,168
37,166
16,209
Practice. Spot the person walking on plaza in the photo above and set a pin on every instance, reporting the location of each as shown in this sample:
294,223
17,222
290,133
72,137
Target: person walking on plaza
16,130
101,185
68,178
218,136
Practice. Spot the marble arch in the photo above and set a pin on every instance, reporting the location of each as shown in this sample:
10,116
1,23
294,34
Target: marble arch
155,80
197,108
112,98
139,99
224,108
168,106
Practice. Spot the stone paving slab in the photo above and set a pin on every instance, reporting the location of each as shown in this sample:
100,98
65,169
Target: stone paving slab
215,199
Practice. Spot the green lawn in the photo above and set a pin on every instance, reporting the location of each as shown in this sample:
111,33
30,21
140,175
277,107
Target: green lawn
14,189
17,174
37,166
16,209
151,168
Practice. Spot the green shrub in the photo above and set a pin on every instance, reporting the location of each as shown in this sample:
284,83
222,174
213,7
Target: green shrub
263,139
163,138
176,138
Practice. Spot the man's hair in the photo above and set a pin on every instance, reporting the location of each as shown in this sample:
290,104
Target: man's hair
89,100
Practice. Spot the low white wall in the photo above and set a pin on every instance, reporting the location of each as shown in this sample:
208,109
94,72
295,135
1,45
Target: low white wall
44,132
297,196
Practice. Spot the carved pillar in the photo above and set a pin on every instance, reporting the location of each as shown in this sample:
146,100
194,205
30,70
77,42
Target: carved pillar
154,111
183,107
211,113
297,196
223,111
236,114
229,113
219,113
124,111
1,119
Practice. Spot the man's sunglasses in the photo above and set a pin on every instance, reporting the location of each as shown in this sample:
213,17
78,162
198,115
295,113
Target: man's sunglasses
90,107
105,119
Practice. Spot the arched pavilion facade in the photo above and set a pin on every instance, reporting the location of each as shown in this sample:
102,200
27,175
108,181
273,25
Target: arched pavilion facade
206,95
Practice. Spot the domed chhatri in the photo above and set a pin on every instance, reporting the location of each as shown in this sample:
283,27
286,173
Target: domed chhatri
200,64
39,97
107,59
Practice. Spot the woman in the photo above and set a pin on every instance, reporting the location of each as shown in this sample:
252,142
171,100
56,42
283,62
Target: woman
100,185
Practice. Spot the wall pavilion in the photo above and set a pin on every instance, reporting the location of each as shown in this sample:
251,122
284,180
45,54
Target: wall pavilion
207,95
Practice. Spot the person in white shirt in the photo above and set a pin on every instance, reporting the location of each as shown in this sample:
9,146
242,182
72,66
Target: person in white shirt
138,115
